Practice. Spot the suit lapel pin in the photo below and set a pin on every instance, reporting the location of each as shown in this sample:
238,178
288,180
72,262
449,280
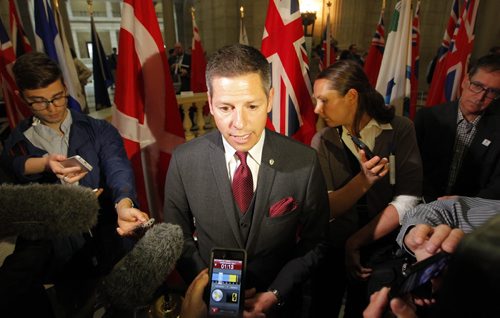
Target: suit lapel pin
486,142
271,162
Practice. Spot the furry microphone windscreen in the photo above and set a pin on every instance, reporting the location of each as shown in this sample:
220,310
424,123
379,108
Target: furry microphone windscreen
37,211
135,278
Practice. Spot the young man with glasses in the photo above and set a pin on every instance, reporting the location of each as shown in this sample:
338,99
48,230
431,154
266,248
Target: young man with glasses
33,153
460,141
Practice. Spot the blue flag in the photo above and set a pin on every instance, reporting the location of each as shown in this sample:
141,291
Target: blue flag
48,40
102,72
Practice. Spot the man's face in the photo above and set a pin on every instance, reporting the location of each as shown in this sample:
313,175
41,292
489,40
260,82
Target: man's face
178,49
51,115
472,103
240,106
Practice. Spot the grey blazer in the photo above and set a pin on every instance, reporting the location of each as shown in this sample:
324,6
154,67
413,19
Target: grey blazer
281,250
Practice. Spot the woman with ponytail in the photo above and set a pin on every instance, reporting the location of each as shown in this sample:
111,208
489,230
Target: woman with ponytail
368,195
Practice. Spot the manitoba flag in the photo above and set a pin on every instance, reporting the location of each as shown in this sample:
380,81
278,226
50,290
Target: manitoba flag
376,52
283,45
461,45
146,111
435,95
415,62
328,54
198,62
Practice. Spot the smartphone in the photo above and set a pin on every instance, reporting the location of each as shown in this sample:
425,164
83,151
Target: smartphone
77,161
362,145
226,291
419,274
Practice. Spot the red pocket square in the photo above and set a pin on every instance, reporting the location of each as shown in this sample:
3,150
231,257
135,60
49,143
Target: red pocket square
282,207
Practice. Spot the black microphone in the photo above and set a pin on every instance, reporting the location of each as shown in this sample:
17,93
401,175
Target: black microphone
136,277
37,211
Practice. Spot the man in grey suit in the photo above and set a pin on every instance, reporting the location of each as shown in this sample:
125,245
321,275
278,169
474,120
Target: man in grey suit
283,226
460,141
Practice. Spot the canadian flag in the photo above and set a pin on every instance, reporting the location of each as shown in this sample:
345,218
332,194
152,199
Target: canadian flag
146,112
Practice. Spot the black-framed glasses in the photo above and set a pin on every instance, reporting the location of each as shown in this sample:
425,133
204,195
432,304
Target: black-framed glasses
39,105
491,93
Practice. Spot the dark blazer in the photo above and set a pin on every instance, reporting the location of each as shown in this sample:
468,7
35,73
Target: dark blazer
479,175
198,186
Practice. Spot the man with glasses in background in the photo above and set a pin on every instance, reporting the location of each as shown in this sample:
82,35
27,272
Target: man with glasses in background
460,141
33,154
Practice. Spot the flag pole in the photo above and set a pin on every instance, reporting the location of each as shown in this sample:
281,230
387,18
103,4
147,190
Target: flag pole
328,37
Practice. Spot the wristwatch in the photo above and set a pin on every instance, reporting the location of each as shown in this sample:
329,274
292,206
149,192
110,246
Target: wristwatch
278,296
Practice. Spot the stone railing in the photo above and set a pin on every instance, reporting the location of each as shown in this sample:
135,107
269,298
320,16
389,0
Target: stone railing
194,121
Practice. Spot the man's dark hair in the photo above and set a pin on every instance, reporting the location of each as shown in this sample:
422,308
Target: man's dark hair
35,70
489,63
236,60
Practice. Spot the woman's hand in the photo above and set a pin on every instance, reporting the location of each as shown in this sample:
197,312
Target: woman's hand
353,261
374,169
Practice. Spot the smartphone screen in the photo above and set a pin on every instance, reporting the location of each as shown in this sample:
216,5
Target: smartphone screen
419,274
227,274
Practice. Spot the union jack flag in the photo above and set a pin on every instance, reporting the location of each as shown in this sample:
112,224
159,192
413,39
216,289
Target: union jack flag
376,52
15,108
461,46
20,42
435,95
283,45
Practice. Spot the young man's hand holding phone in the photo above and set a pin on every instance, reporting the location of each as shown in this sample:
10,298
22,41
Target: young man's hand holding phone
73,169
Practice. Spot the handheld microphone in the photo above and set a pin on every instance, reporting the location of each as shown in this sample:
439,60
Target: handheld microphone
136,277
46,211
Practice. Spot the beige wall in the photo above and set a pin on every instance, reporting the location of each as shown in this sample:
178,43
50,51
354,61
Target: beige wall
355,23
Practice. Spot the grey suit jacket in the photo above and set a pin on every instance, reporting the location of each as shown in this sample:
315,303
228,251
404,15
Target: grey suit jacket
198,188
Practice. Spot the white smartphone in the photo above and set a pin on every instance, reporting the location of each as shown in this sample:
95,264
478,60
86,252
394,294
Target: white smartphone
77,161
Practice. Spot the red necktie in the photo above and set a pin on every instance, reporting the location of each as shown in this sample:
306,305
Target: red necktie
242,183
